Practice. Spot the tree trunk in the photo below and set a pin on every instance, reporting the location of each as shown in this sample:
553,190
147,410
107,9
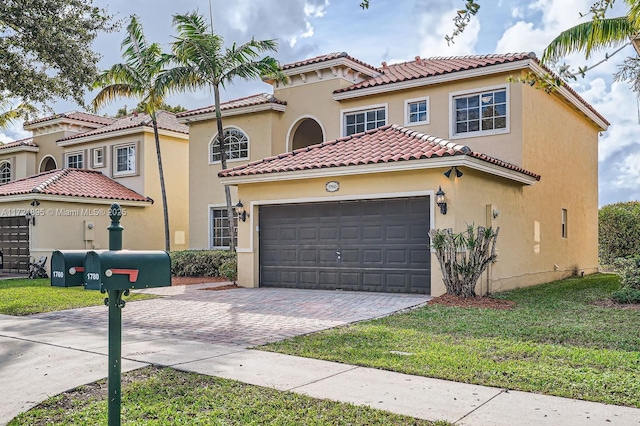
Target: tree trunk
163,190
223,164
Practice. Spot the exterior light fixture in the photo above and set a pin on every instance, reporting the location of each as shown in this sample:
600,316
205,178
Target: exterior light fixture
441,201
35,203
30,218
242,214
458,172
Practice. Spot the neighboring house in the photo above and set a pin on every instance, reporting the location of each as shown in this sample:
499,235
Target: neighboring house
339,169
57,186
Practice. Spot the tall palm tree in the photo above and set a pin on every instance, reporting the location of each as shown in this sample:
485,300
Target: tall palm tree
9,113
202,61
139,77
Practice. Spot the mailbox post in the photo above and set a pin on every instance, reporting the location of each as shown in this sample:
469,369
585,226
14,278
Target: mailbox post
115,272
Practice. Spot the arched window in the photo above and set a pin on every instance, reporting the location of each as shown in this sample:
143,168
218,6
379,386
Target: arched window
237,144
48,163
5,172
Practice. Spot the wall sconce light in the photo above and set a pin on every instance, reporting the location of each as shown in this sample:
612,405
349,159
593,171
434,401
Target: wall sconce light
35,203
30,218
441,201
495,213
458,172
242,214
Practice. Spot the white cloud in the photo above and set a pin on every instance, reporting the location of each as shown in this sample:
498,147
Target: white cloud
316,10
432,42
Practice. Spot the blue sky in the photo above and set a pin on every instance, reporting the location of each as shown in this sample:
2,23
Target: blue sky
398,30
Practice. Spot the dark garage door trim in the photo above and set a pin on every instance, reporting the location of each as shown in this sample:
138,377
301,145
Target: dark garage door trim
367,245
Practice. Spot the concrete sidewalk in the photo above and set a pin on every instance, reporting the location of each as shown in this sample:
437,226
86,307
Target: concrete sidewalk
42,358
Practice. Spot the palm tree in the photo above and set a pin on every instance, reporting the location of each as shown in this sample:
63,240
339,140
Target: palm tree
139,77
9,113
202,61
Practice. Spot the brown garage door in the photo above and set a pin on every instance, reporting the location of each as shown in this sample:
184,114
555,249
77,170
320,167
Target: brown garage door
14,243
368,245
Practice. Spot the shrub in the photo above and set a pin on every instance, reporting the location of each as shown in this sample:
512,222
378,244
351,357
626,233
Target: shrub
464,257
629,271
626,295
229,269
195,263
618,231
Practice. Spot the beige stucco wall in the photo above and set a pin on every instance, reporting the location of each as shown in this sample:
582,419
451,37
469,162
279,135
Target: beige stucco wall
204,187
22,163
65,226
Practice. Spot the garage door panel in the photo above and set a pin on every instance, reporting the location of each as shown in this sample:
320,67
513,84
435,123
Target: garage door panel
383,245
14,243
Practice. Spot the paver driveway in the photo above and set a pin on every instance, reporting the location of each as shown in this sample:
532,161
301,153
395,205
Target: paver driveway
245,317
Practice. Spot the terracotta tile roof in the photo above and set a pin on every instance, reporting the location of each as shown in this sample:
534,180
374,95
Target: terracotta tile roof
72,183
386,144
21,142
166,121
421,68
75,115
325,58
253,100
430,67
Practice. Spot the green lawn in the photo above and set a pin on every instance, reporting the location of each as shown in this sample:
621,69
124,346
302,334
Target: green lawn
152,396
556,341
25,296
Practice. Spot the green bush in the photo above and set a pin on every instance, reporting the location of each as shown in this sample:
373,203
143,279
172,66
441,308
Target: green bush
200,263
618,231
629,271
626,295
229,270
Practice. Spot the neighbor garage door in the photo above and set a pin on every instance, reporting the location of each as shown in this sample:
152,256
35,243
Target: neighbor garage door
14,243
370,245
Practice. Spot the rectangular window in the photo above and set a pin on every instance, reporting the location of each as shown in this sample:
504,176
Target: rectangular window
564,223
98,157
357,122
125,159
416,111
75,160
220,228
480,113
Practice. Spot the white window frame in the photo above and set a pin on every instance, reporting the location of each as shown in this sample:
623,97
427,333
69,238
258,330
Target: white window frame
114,159
407,114
94,157
212,236
6,163
362,109
466,93
564,221
229,160
68,155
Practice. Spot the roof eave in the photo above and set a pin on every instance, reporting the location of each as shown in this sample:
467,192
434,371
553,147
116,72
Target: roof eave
29,196
233,111
422,164
119,133
15,149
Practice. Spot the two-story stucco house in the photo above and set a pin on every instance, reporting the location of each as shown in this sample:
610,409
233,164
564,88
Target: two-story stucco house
56,187
339,173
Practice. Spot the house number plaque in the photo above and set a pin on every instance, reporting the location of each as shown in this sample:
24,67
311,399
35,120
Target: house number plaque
332,186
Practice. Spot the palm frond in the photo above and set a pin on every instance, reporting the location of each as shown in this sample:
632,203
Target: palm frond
112,92
591,36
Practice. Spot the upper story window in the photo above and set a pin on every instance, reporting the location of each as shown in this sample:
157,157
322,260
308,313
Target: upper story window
74,160
237,144
98,157
125,159
480,113
357,121
416,111
5,172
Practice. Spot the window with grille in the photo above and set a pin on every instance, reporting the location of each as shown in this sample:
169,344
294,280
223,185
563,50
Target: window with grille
220,228
75,160
357,122
5,172
416,111
236,142
125,159
480,113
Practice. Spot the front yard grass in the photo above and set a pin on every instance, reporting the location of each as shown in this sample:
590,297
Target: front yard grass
556,341
24,297
153,396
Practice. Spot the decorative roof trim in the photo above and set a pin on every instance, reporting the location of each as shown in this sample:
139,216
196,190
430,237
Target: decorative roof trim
20,148
121,132
233,111
70,199
423,164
